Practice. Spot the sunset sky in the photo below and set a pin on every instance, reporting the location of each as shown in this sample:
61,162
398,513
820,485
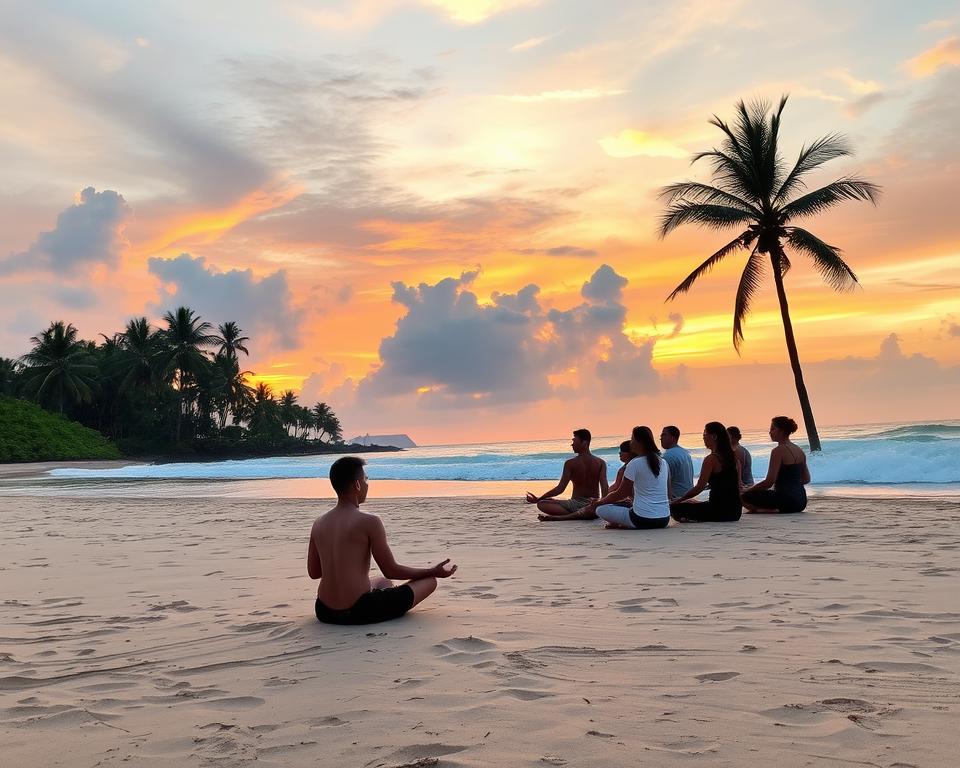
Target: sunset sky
440,215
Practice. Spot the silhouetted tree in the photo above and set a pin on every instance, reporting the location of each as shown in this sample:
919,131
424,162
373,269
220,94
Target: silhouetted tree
752,189
59,367
9,377
231,340
185,338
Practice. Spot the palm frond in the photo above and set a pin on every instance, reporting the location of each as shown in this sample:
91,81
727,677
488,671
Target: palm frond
750,282
771,169
826,259
850,188
702,214
695,192
730,172
738,146
784,264
741,242
753,135
824,149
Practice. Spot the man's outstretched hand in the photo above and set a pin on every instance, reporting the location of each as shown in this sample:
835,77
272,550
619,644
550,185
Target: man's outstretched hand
442,570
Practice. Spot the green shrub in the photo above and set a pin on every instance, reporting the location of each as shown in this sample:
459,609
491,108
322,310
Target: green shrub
29,433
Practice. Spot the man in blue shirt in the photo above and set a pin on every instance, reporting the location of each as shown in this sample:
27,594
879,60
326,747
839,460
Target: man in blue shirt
679,461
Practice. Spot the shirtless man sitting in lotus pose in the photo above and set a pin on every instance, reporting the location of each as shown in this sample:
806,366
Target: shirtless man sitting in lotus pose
341,543
587,472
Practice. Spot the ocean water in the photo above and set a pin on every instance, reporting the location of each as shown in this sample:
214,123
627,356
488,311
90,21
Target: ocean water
884,458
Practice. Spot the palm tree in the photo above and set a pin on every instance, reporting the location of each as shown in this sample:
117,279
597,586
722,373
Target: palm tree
230,391
321,418
288,413
141,348
265,421
59,366
750,189
304,422
334,428
231,340
9,373
185,338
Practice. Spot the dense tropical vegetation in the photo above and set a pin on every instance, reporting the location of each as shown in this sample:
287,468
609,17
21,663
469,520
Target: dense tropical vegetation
30,433
177,388
752,188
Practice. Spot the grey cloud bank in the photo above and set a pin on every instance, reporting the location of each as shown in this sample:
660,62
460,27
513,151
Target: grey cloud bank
86,234
262,306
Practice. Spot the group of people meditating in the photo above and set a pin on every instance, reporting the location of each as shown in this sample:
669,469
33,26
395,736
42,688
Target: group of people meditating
652,487
649,490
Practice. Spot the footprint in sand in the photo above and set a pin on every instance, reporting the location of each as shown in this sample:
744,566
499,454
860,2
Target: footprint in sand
524,694
330,721
716,677
419,755
233,703
466,650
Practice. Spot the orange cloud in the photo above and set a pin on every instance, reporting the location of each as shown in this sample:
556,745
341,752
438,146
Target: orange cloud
946,53
207,226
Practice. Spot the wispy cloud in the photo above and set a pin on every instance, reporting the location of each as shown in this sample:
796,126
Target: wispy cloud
946,53
938,24
854,84
532,42
582,94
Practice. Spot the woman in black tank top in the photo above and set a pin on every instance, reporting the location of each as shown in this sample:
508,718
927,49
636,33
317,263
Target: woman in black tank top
788,474
721,471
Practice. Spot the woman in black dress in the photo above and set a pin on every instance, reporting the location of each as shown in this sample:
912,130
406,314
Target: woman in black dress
722,472
788,473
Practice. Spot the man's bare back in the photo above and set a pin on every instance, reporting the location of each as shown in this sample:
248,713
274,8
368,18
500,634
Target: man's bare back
587,473
584,471
343,540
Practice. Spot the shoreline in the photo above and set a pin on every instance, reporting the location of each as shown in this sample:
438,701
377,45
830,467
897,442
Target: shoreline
32,469
26,469
35,483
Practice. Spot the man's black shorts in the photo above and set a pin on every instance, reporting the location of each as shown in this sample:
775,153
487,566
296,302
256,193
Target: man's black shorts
370,608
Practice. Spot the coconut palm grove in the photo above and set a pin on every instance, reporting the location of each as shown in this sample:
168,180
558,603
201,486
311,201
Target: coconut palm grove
176,388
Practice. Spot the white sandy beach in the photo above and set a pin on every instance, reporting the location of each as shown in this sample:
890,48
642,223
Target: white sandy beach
181,632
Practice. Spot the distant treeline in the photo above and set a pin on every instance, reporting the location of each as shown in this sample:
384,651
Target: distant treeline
178,388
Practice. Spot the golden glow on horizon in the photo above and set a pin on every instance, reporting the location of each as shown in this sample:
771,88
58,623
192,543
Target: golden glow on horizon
277,382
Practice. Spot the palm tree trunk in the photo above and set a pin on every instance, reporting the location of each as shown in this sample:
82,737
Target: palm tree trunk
179,402
805,408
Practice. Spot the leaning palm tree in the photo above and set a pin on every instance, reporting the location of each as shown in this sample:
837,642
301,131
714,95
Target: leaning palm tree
321,418
751,188
59,367
185,338
231,340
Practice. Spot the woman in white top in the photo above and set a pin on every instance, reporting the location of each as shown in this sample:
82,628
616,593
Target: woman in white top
647,478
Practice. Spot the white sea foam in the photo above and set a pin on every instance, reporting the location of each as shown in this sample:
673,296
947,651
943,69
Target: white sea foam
892,455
